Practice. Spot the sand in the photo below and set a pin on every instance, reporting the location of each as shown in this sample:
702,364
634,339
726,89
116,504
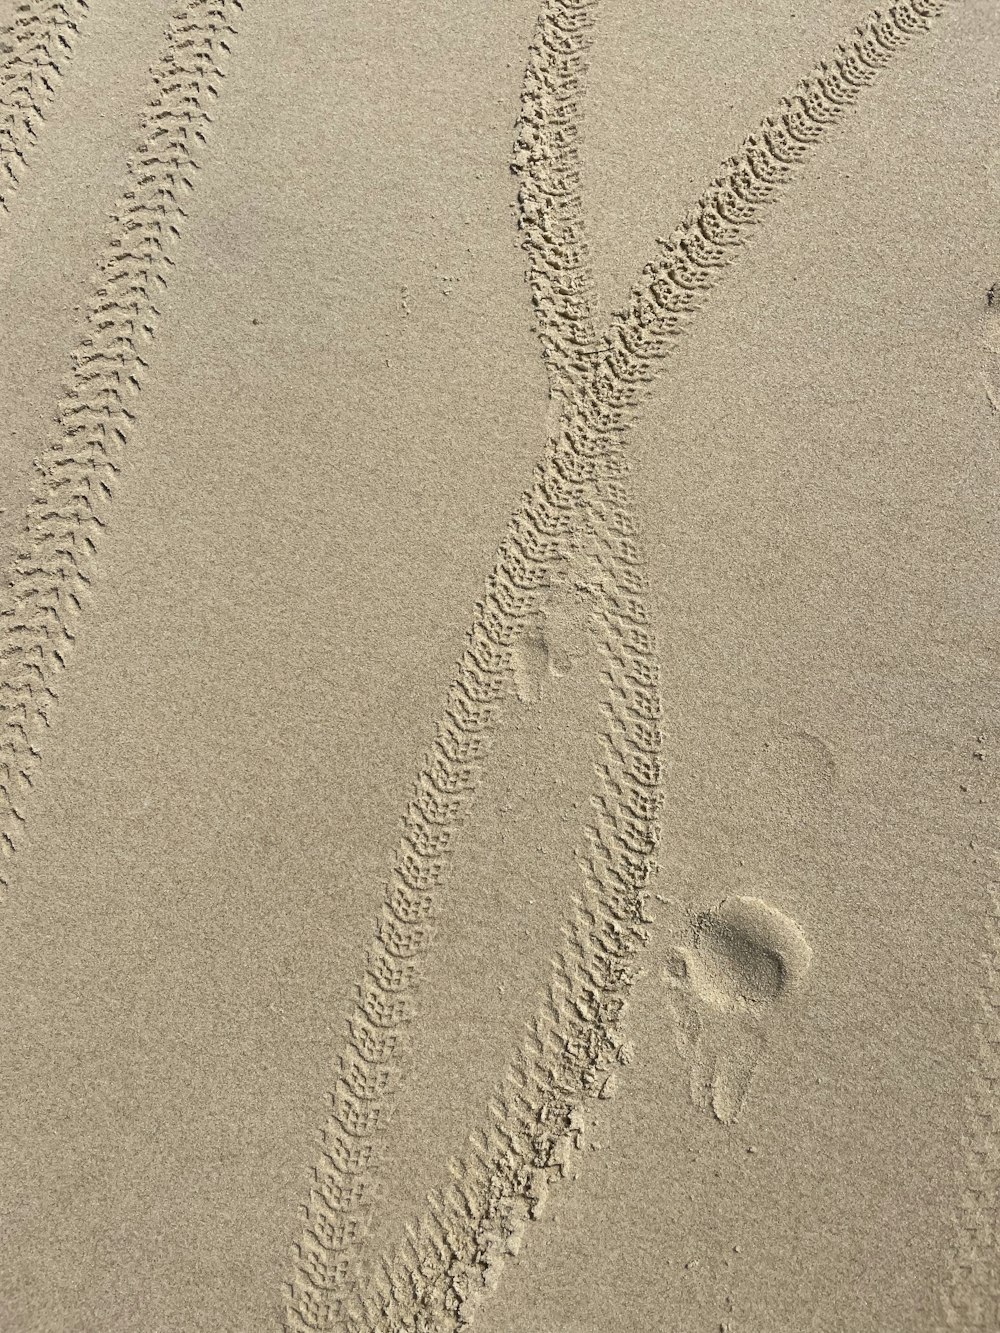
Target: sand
499,686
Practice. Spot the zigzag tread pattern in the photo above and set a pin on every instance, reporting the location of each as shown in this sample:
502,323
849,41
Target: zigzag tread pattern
580,512
76,474
691,260
970,1293
34,50
455,1254
328,1257
546,161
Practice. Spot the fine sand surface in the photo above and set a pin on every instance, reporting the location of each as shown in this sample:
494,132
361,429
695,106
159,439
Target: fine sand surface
499,666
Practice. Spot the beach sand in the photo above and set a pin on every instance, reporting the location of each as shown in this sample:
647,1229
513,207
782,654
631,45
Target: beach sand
499,671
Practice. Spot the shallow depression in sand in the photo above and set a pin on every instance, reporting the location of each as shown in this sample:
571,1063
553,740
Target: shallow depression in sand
736,964
746,952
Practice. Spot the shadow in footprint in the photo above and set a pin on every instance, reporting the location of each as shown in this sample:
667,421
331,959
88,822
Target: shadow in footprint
736,963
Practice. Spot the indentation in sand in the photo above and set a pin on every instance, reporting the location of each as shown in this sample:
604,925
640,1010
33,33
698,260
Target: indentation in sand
547,648
743,957
737,962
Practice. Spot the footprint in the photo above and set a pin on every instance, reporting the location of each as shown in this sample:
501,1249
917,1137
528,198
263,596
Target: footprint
547,648
737,962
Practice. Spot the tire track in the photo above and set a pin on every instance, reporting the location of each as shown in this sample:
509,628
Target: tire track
76,473
35,48
328,1259
579,514
456,1252
970,1295
547,162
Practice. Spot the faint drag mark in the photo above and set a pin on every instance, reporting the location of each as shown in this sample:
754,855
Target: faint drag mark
77,471
991,347
576,526
35,48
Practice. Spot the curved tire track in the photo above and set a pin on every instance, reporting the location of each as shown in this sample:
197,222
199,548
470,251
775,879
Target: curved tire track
579,511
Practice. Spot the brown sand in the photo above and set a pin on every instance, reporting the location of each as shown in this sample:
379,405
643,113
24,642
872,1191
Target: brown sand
397,543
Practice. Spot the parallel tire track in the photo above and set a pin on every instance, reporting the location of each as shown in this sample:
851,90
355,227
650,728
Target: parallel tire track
579,513
34,50
76,473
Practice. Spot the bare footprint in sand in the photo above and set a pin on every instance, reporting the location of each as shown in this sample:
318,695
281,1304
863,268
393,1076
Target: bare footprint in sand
737,963
551,640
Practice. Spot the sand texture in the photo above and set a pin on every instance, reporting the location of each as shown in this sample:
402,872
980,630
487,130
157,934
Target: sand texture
499,667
